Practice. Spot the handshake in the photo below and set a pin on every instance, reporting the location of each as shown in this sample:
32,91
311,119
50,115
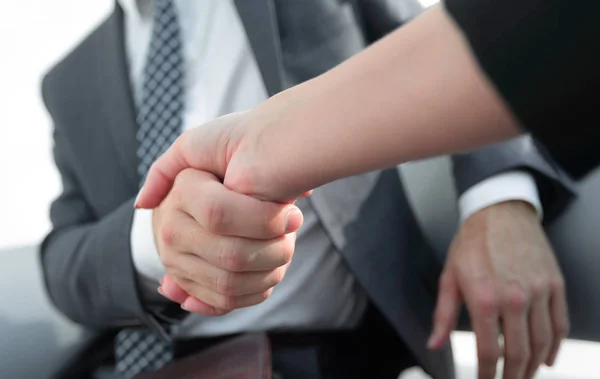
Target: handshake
222,249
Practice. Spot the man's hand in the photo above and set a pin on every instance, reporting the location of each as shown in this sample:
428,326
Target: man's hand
225,249
502,266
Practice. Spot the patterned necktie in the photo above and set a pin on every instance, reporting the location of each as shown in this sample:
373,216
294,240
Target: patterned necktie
159,121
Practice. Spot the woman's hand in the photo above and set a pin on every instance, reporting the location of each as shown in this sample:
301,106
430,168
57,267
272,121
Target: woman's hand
230,148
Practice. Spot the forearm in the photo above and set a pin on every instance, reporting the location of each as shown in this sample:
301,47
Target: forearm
414,94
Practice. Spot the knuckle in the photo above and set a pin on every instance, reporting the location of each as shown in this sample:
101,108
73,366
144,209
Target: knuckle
539,288
516,298
182,181
186,177
226,284
216,220
231,258
273,226
168,234
226,302
176,195
486,302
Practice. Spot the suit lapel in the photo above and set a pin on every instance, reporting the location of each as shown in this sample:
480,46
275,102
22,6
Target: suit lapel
260,23
115,98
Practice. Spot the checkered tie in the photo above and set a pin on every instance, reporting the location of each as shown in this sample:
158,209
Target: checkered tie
159,120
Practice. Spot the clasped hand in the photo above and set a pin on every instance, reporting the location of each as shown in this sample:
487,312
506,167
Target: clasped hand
224,249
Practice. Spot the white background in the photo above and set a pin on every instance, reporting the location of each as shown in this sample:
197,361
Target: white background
33,35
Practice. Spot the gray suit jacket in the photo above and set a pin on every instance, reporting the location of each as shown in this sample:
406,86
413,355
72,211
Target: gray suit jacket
86,258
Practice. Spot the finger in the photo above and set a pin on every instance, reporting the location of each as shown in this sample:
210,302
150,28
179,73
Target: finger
225,212
228,253
446,311
222,302
560,319
540,328
517,352
193,305
171,290
161,176
482,304
221,282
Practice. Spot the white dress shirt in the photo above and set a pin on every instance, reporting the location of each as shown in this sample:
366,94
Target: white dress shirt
222,77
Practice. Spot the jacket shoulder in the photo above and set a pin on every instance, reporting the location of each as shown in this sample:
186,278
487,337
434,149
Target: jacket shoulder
73,69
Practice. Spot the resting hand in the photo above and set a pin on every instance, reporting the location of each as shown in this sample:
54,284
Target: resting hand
502,266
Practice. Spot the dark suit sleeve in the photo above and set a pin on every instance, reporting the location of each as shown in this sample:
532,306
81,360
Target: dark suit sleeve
542,57
380,17
86,261
554,187
92,254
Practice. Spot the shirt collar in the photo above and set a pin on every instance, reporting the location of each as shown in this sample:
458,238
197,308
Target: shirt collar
136,8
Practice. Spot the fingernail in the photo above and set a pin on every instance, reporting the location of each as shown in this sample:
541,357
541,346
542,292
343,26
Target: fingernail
137,198
160,290
184,306
294,219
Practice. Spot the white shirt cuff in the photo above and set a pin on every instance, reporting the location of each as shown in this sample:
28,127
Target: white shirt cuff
509,186
143,250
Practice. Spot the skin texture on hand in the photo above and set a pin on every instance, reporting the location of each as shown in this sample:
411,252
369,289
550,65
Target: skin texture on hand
502,266
223,248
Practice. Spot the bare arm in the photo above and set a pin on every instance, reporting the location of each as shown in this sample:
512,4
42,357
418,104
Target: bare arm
416,93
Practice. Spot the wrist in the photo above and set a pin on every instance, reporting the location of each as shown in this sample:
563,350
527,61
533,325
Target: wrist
517,207
504,187
272,156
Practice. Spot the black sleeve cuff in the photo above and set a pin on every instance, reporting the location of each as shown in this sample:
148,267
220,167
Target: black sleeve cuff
541,56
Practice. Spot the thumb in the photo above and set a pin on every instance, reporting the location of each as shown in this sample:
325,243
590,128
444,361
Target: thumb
161,176
446,310
205,147
195,148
